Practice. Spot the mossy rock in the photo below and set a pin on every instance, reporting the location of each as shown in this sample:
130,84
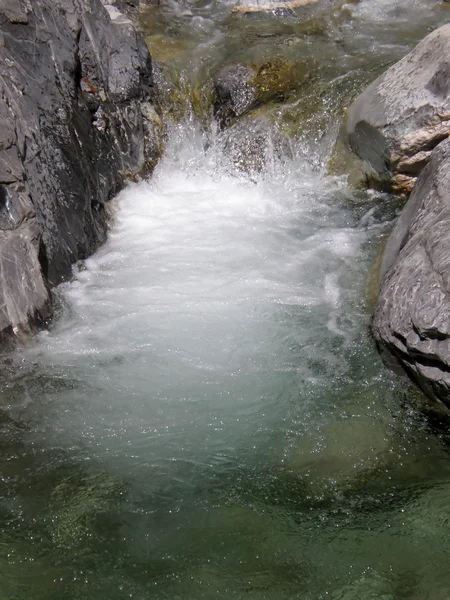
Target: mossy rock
201,100
179,99
153,135
278,78
240,88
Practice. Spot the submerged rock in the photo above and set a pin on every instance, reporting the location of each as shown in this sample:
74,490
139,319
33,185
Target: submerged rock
77,502
73,79
348,448
397,121
370,586
412,317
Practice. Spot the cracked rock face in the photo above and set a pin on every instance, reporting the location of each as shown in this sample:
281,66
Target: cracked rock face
398,120
412,318
74,78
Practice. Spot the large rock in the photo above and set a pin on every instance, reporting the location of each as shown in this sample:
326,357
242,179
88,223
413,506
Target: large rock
412,318
235,92
75,119
398,120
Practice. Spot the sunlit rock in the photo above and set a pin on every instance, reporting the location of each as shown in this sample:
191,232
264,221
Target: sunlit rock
256,6
263,5
412,317
395,123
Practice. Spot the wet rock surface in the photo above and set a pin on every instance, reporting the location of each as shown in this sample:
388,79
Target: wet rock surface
240,88
412,318
235,92
76,88
398,120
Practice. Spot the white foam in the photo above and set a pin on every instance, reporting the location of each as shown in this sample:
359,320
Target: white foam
200,295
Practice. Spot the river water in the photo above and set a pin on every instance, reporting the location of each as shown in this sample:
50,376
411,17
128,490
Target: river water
208,416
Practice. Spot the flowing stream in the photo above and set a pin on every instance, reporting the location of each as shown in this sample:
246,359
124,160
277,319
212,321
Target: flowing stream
208,416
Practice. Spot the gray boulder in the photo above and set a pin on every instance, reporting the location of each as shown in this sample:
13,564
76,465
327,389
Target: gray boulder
398,120
412,318
75,84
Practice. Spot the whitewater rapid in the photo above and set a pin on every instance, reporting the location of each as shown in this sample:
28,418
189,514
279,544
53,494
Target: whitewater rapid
216,296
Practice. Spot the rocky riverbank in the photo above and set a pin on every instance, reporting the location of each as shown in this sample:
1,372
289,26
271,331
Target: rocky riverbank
399,126
76,119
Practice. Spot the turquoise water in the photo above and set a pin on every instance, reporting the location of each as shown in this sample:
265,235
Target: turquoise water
208,416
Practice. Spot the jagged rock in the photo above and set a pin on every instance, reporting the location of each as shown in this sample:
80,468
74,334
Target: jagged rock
73,77
396,122
412,318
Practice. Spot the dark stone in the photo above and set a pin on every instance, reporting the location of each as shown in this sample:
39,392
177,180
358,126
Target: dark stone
412,319
235,91
73,78
240,88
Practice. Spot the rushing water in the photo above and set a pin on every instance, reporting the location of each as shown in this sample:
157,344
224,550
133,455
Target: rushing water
208,416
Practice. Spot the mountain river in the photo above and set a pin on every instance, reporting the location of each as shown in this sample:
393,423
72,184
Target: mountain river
207,416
